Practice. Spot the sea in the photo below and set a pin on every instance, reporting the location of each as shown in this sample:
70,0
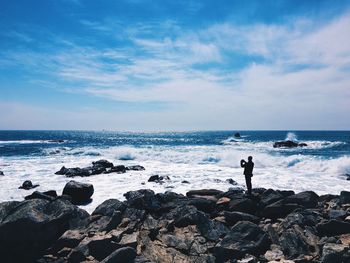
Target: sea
205,159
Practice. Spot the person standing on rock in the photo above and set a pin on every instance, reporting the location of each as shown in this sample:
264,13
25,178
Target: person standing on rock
248,172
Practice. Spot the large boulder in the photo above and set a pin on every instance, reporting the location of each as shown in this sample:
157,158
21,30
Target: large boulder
288,144
345,197
278,210
103,163
79,192
333,228
244,237
28,228
332,253
142,199
233,217
308,199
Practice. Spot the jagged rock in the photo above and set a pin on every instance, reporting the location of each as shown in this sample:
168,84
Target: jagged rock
48,195
244,237
274,254
203,192
337,214
307,199
121,255
156,178
270,196
79,192
204,205
248,259
103,163
278,210
28,228
116,169
288,144
135,168
109,207
292,243
27,185
143,199
333,228
72,172
345,197
333,253
242,204
233,217
186,215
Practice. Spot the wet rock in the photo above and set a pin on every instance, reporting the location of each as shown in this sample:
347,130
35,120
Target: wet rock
135,168
231,181
288,144
345,197
72,172
1,173
237,135
28,228
48,195
27,185
116,169
156,178
109,207
333,228
244,237
79,192
143,199
121,255
332,253
103,163
203,192
233,217
185,182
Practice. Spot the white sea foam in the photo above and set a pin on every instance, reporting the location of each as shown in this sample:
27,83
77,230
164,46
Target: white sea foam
202,166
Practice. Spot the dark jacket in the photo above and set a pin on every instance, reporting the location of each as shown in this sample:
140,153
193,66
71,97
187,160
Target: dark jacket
248,167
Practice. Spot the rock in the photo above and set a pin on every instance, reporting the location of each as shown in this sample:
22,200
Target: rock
308,199
237,135
337,214
333,228
79,192
48,195
1,173
186,215
244,237
143,199
233,217
231,181
293,244
274,254
333,253
345,197
203,192
223,201
56,141
116,169
269,196
156,178
345,239
72,172
248,259
135,168
103,163
109,207
242,204
185,182
347,219
27,185
278,210
28,228
288,144
121,255
204,205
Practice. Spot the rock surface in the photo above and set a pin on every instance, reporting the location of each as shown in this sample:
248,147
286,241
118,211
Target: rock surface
79,192
288,144
204,226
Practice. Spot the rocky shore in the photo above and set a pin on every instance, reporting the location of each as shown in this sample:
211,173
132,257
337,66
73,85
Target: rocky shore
204,226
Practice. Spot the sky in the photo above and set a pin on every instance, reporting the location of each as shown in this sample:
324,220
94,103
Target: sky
161,65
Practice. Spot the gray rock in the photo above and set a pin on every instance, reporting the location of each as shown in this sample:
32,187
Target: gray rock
333,253
121,255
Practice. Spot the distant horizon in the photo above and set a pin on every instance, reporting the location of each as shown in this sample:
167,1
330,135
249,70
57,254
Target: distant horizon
167,65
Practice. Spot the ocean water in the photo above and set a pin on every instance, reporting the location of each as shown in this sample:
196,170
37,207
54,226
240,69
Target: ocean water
205,159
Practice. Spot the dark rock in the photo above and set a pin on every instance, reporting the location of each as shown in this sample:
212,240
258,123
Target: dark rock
237,135
121,255
327,197
109,207
28,228
185,182
285,193
143,199
333,228
27,185
135,168
288,144
345,197
233,217
333,253
205,205
103,163
56,141
301,218
308,199
293,244
72,172
242,204
116,169
203,192
1,173
48,195
337,214
270,196
186,215
79,192
156,178
278,210
231,181
244,237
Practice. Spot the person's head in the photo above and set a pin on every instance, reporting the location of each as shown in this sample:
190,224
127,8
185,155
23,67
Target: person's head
250,158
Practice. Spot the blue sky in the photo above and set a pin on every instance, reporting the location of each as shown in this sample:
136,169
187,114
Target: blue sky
174,65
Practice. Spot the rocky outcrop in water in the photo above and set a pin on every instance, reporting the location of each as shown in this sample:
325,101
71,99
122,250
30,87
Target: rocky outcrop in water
288,144
204,226
98,167
27,185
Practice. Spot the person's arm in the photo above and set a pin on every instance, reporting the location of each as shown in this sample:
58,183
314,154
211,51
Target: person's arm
243,163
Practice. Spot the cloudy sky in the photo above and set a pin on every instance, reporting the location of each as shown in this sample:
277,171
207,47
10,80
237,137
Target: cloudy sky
174,65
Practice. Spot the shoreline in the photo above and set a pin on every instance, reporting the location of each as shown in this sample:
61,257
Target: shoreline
205,225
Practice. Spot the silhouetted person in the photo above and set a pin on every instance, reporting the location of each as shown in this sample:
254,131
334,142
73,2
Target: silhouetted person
248,172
